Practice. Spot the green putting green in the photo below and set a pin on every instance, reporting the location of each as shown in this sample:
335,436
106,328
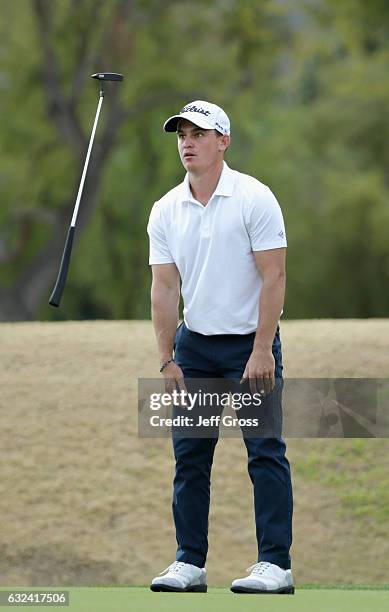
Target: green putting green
139,599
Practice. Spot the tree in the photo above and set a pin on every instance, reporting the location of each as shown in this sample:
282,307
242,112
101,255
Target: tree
64,42
304,84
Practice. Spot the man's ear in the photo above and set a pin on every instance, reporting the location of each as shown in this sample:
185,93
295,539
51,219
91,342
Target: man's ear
224,142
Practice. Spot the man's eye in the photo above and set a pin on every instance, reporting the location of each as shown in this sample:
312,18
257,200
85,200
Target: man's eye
199,133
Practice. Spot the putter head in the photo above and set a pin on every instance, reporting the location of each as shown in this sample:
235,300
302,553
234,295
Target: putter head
107,76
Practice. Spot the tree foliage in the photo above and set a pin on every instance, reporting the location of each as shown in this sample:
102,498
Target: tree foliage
305,84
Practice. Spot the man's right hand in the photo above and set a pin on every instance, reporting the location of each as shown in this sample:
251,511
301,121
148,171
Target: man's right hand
174,378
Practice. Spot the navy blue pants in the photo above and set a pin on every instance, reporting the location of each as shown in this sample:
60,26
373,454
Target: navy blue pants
226,356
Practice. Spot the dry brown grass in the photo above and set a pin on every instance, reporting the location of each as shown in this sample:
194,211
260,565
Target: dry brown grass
85,501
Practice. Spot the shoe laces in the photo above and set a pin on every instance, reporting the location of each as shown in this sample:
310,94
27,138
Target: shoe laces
259,568
174,567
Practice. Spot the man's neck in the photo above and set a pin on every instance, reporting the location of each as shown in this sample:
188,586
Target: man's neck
203,185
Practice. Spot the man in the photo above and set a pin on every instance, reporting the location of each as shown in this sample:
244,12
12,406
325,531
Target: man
221,234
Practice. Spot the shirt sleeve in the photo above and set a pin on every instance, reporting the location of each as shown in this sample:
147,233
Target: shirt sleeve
159,252
265,224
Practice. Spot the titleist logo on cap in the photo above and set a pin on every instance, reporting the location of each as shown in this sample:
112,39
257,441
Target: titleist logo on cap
191,108
204,114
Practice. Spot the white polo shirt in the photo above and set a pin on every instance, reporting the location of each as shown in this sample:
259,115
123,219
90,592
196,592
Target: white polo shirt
212,247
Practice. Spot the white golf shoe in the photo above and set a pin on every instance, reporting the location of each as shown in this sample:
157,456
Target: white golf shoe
181,578
265,578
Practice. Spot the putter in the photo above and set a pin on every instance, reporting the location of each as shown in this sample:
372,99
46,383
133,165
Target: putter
55,297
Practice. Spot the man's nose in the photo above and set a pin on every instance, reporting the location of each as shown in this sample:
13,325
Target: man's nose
188,141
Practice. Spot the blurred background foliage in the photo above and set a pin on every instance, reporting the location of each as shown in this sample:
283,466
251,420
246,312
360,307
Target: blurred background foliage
306,85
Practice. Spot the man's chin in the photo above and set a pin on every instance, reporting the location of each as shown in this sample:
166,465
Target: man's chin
190,163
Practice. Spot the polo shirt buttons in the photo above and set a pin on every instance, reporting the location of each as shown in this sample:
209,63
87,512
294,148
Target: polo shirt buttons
205,222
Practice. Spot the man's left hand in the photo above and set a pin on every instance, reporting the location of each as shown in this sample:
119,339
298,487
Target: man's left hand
259,371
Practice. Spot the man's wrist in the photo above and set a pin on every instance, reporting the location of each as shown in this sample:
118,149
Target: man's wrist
262,344
262,348
165,364
165,357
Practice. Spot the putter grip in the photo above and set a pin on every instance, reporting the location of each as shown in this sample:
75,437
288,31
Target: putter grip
55,297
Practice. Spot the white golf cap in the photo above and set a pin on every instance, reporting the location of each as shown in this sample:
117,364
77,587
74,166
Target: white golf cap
204,114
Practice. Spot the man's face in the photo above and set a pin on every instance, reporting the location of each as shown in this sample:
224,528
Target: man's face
199,149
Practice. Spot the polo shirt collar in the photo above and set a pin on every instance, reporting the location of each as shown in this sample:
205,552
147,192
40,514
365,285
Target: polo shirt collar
225,186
